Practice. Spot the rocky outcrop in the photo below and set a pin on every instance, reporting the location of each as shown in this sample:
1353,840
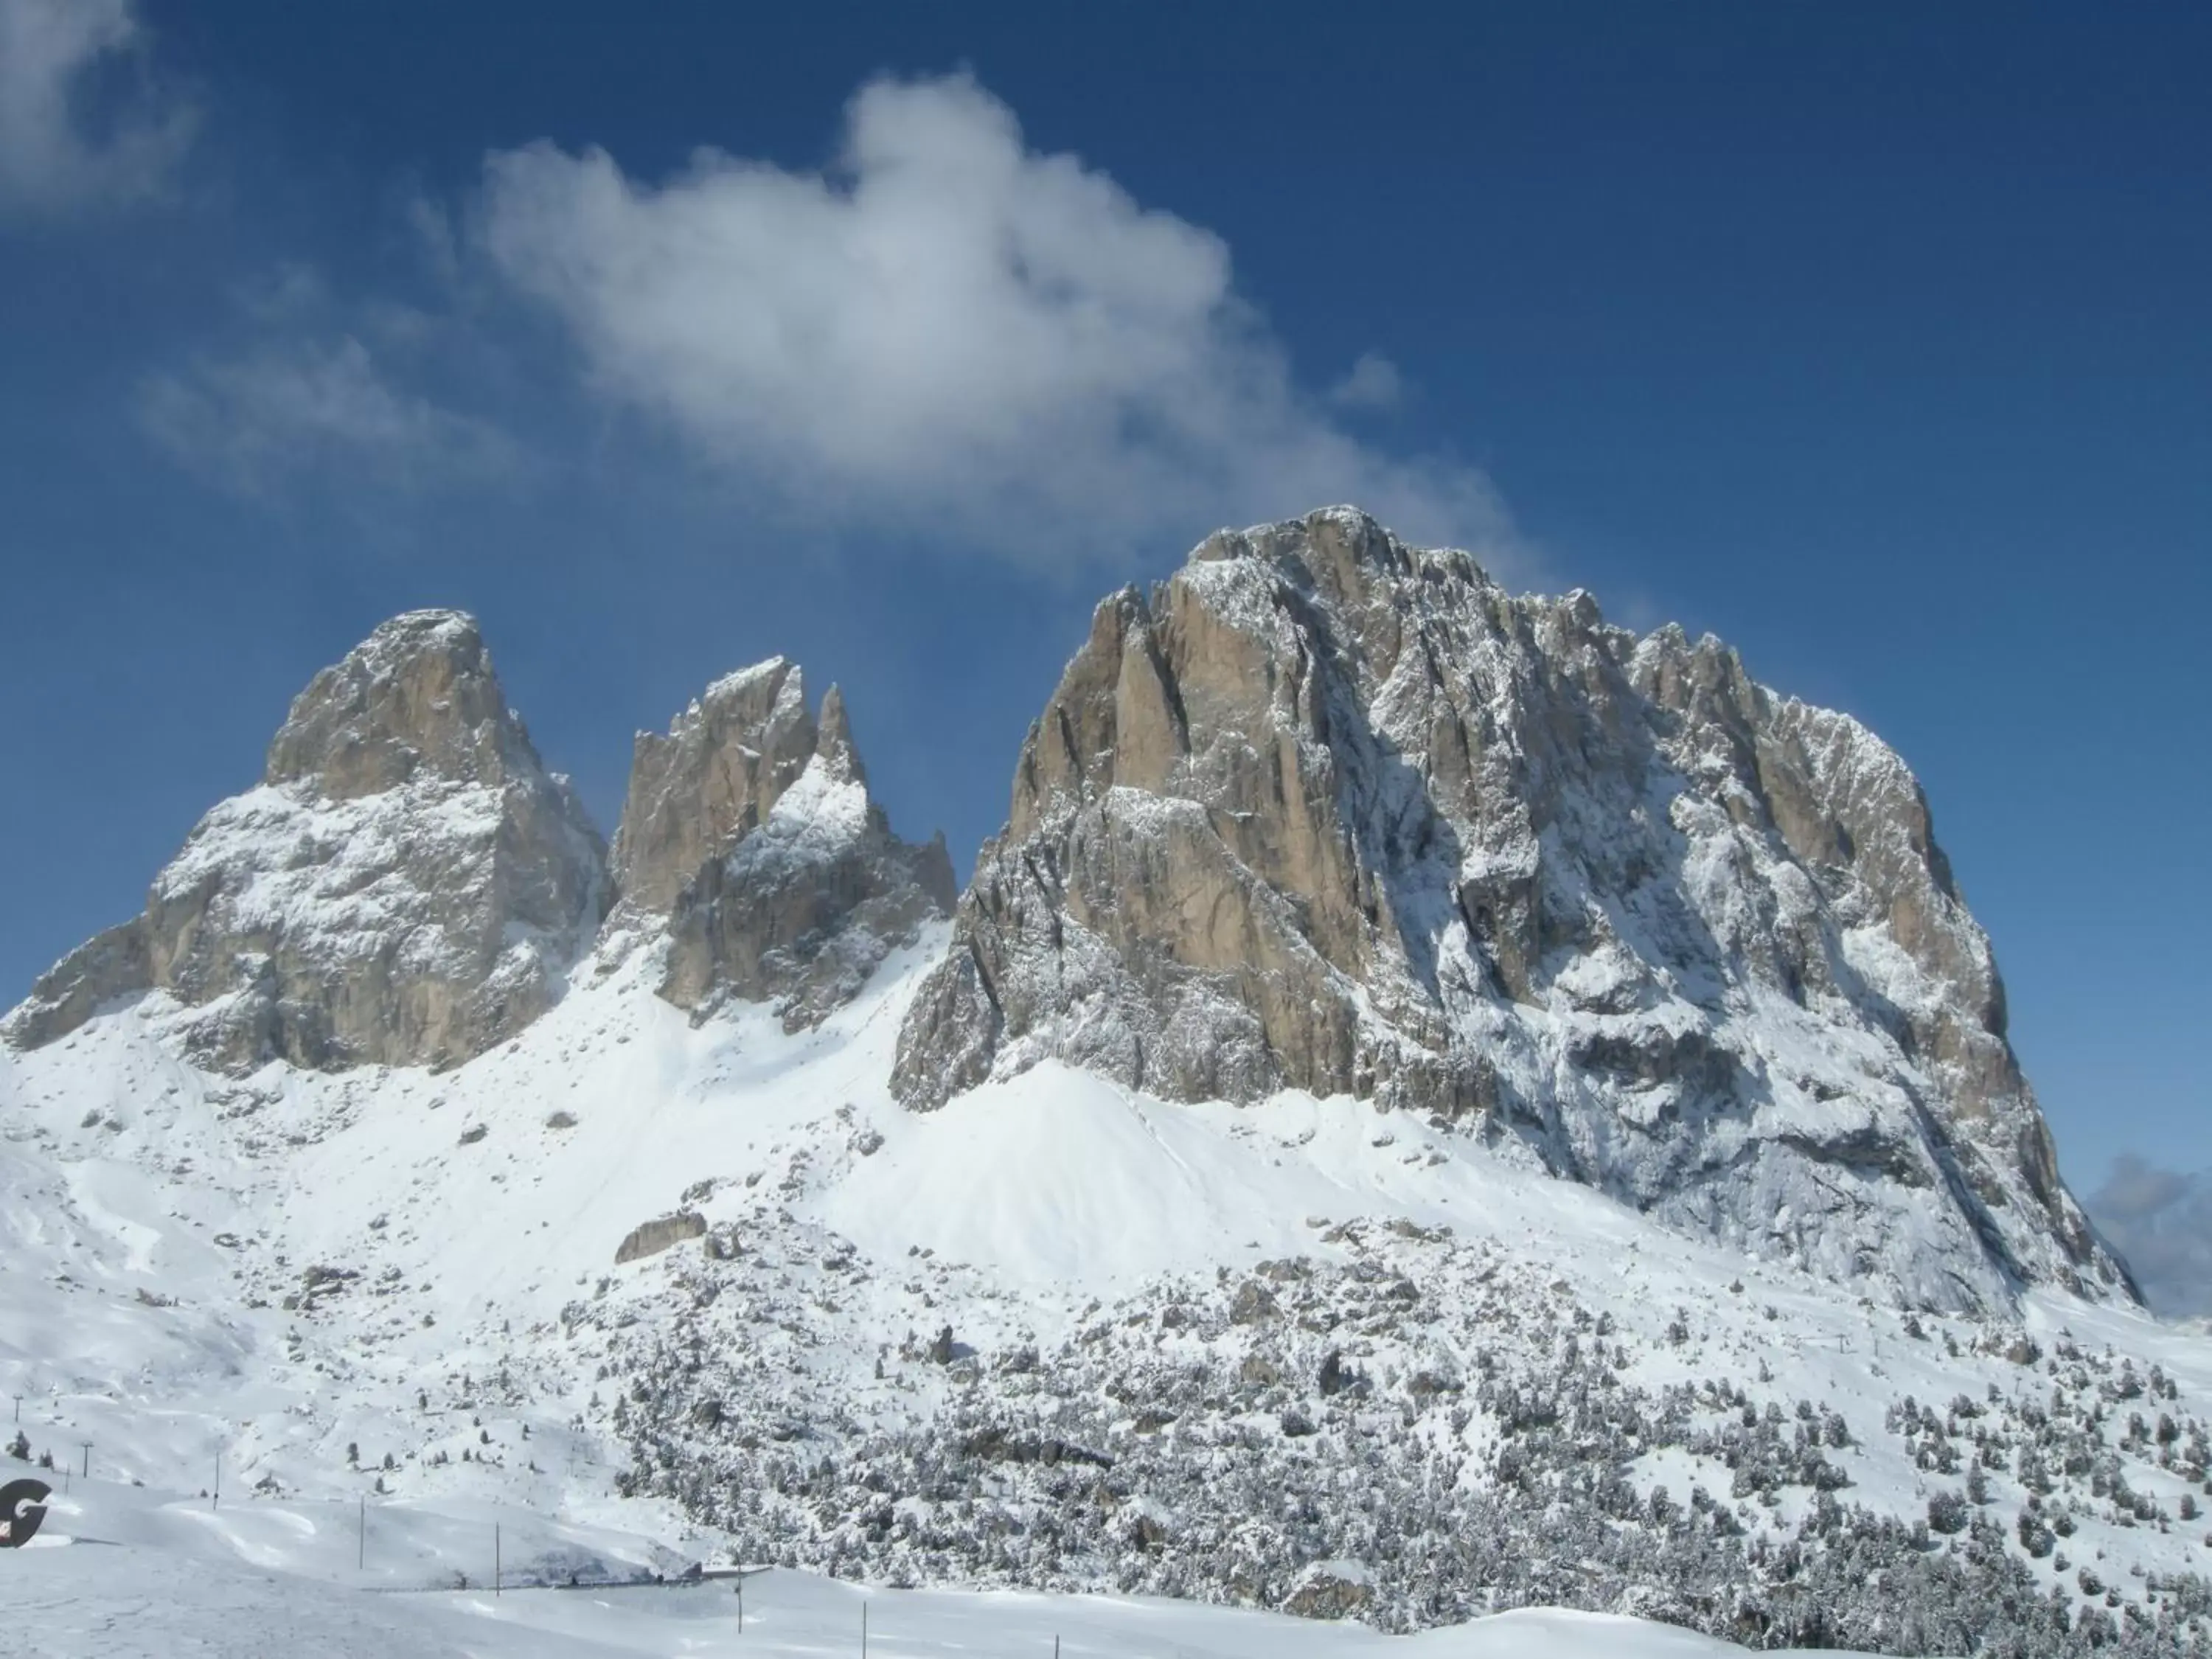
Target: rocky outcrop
664,1232
112,964
1327,813
407,884
751,850
1331,1590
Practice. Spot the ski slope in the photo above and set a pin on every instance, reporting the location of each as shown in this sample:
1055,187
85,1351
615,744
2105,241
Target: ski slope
170,1577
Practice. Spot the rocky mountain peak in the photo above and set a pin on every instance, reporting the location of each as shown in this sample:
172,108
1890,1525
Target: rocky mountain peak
751,852
407,886
710,779
418,695
1329,813
834,748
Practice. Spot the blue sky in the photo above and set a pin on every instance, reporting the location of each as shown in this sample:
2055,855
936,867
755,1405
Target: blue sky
1875,339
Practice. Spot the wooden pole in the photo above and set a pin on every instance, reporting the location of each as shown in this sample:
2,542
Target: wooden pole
360,1539
494,1558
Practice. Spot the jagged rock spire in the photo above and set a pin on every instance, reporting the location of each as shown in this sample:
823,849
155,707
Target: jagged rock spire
751,852
835,747
711,779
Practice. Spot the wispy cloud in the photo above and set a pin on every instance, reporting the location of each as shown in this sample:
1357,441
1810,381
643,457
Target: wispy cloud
950,333
1372,383
83,119
290,408
2161,1221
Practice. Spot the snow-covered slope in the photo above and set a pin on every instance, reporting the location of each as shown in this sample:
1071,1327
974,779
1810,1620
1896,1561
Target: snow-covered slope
1306,1355
171,1577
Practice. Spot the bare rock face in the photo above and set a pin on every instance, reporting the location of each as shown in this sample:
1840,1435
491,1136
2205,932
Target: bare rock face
407,886
711,780
664,1232
1326,812
751,843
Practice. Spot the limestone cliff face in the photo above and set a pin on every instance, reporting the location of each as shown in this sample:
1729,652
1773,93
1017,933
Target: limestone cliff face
407,886
751,848
710,780
1327,813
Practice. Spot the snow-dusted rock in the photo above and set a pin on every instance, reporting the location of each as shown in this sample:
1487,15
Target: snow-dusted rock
709,780
406,885
662,1233
750,849
1329,812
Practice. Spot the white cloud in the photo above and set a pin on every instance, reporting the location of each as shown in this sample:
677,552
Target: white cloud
946,331
255,422
80,121
1373,383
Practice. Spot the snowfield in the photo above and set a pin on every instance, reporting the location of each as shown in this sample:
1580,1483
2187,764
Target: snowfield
1055,1337
180,1587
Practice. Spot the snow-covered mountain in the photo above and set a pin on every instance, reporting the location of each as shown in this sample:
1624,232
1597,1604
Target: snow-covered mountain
407,886
672,1267
1329,812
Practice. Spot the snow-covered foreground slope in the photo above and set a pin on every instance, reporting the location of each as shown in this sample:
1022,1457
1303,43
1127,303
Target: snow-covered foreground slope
140,1576
1303,1356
